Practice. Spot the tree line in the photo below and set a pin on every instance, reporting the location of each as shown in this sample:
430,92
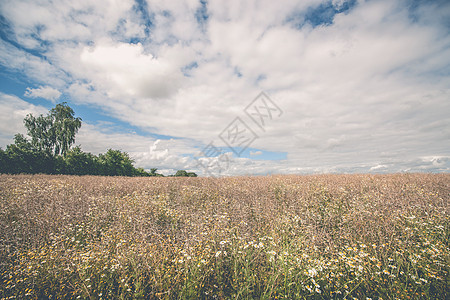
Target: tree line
48,150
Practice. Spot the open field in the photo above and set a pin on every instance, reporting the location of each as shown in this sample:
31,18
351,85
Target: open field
285,237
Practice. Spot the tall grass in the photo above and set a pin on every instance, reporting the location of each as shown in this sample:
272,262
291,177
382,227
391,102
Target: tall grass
277,237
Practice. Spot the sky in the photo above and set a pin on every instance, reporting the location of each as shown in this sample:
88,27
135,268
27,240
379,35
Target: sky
233,87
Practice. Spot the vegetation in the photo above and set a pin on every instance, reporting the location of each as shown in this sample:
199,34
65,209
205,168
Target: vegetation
285,237
54,132
49,150
183,173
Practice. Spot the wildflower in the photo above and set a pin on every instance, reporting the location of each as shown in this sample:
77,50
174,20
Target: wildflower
386,272
218,253
315,283
312,272
259,245
391,266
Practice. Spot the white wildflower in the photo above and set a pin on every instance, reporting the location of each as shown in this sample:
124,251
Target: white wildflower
312,272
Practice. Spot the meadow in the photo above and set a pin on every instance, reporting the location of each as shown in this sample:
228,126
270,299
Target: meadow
274,237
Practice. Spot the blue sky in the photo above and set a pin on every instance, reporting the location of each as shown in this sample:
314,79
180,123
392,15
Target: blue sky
348,86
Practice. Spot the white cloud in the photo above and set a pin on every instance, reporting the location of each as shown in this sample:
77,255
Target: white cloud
124,70
45,92
30,66
66,20
13,111
368,92
378,167
255,153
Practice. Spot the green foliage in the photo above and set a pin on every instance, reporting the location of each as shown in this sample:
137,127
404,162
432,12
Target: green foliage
77,162
64,127
115,162
141,172
39,129
54,133
4,161
183,173
23,157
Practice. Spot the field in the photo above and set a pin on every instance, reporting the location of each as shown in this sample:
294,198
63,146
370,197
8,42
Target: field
276,237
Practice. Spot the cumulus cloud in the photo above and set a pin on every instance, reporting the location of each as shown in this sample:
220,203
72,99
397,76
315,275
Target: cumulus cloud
13,111
30,66
363,86
124,70
45,92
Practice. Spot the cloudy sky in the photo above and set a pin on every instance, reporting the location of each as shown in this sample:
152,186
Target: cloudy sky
237,87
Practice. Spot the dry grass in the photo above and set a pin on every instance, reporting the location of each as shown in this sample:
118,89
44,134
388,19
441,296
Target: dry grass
311,237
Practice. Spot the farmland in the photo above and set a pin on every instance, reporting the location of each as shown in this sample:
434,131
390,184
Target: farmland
274,237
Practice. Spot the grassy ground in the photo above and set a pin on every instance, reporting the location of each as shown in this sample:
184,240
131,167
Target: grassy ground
278,237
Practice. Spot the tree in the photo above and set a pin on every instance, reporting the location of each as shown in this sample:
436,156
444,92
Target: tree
183,173
78,162
116,163
23,157
140,172
39,129
54,133
4,162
